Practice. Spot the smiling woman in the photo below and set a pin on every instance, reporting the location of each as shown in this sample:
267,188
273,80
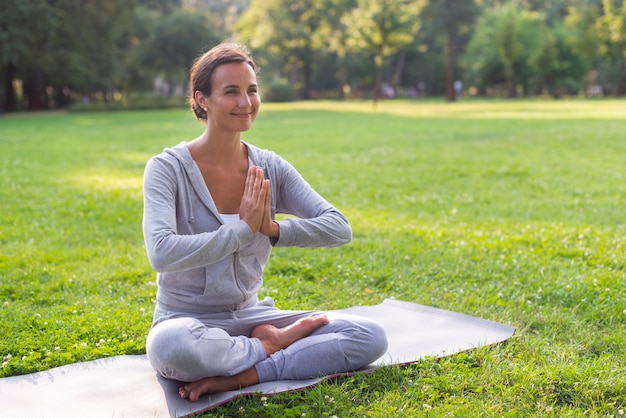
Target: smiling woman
209,226
232,73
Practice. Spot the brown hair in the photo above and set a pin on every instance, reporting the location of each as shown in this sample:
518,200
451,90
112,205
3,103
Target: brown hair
201,73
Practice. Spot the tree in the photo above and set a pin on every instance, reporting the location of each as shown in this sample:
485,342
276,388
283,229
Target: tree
382,28
612,26
61,45
287,29
581,20
450,17
333,35
25,27
175,40
505,42
559,67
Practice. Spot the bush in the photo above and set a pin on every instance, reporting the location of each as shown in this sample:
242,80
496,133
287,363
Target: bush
278,91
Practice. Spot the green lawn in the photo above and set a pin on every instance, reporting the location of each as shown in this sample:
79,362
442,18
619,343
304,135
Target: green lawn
512,211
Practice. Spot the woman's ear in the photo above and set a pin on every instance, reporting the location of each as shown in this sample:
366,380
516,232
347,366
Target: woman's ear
200,99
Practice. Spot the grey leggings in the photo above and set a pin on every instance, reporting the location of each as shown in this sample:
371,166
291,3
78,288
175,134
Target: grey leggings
187,348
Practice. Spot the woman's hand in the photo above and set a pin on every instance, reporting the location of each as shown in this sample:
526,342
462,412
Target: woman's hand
253,201
256,203
269,227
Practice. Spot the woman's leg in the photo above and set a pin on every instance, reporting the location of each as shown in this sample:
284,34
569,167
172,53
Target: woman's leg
346,343
273,340
185,349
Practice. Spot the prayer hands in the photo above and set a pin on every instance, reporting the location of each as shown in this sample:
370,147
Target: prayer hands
255,206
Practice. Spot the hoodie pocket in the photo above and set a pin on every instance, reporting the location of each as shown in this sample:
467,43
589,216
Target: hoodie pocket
188,283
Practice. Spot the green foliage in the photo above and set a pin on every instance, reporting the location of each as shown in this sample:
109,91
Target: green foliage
506,41
134,101
559,67
278,91
175,40
510,211
25,25
383,28
54,53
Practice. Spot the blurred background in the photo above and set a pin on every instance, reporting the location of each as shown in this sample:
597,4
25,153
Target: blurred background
90,54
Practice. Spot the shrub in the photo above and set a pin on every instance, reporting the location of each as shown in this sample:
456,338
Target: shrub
278,91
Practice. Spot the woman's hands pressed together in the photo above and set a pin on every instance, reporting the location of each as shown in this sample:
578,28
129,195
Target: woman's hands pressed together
255,208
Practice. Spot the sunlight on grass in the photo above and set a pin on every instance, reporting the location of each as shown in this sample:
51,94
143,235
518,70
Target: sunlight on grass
135,157
471,108
107,183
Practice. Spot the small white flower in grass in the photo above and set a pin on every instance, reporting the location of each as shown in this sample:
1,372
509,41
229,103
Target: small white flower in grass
83,344
620,412
427,407
5,304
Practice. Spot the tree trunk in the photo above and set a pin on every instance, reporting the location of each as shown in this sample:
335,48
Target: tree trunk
397,74
450,52
379,79
307,76
510,87
9,91
620,78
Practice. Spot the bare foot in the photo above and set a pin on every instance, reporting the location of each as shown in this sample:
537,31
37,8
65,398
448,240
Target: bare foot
194,390
275,339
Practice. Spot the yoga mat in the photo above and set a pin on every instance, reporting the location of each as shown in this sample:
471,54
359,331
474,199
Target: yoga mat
127,386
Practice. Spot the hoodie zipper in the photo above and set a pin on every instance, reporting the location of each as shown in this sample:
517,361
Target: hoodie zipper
244,294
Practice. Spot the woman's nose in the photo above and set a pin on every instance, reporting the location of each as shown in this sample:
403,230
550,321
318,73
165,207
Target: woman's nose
244,99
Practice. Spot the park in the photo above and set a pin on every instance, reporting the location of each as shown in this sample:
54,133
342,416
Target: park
509,211
477,151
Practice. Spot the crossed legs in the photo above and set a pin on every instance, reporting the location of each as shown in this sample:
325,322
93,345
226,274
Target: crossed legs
273,339
289,345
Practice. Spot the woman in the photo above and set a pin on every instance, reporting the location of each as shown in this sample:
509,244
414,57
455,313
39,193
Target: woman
209,207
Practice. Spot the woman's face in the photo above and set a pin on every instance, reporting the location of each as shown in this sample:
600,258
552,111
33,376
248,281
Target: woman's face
234,101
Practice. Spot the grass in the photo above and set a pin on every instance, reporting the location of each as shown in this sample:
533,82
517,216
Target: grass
512,211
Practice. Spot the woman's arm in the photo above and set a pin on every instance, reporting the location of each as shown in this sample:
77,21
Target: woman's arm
318,223
169,248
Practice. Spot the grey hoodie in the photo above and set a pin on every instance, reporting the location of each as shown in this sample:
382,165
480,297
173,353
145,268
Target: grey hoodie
205,266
